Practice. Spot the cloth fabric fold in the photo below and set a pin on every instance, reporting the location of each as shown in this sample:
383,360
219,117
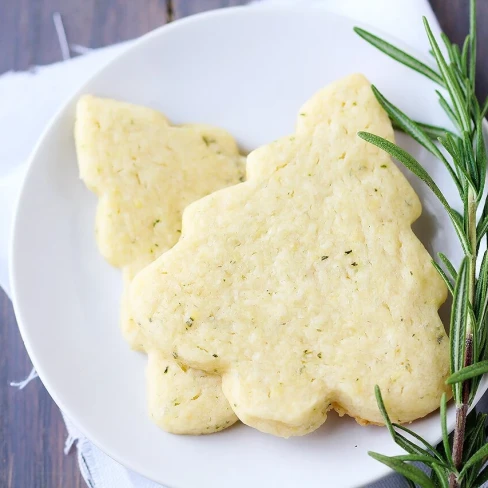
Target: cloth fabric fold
29,99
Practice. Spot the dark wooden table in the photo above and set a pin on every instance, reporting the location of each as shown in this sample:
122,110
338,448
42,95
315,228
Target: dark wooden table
32,432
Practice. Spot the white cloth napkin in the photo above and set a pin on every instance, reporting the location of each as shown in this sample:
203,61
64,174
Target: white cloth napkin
29,99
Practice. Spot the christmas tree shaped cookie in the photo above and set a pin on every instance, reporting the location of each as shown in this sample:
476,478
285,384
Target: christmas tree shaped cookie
305,286
145,172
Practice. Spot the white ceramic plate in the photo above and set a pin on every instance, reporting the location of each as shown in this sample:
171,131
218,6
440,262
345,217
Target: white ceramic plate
247,70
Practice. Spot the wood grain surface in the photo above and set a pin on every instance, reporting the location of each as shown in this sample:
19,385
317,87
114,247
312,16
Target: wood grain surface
32,432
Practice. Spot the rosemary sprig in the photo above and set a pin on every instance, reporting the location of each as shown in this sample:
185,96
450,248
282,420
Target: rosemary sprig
458,461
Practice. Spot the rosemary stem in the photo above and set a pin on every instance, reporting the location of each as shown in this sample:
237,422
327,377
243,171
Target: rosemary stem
462,406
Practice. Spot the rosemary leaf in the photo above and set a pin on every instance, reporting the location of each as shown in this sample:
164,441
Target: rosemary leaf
448,265
414,131
428,447
401,440
484,110
445,432
399,55
440,476
410,472
416,458
471,474
481,157
414,449
459,217
457,58
475,458
464,56
458,141
433,131
462,82
448,109
470,161
451,83
481,304
472,43
465,198
449,47
474,330
465,175
443,275
459,317
482,228
414,166
481,294
449,143
384,413
476,436
473,102
468,372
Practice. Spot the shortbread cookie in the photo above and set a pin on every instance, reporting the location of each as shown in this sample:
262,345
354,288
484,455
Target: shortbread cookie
145,173
305,286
